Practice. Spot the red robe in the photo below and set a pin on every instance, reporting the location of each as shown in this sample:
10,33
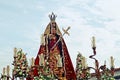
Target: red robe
70,73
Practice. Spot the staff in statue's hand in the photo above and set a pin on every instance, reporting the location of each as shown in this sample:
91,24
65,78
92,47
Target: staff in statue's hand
65,32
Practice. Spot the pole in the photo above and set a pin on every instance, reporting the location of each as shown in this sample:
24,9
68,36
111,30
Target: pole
60,38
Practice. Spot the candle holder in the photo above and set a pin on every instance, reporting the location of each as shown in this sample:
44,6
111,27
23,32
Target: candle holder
30,72
5,77
101,71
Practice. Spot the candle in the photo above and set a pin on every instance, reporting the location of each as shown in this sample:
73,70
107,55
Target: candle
8,70
112,61
3,71
41,59
15,51
84,63
32,61
93,42
42,39
105,62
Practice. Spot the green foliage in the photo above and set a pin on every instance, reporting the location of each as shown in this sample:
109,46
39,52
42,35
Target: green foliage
81,73
20,64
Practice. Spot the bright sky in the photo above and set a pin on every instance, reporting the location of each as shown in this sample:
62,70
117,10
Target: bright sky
23,21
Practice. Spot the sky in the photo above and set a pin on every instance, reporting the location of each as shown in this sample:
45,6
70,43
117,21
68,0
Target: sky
23,21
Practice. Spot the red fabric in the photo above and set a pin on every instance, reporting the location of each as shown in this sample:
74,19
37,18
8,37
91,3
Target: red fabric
37,62
70,73
52,42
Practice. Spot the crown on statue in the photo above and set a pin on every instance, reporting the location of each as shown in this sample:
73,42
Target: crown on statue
52,16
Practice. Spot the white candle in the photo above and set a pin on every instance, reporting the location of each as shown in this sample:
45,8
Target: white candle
41,59
32,61
84,63
93,42
105,62
8,70
112,61
3,71
42,39
15,51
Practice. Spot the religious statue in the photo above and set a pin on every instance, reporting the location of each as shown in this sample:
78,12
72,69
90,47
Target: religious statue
53,54
55,51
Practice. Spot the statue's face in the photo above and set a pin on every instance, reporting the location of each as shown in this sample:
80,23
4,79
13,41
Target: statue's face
53,30
54,24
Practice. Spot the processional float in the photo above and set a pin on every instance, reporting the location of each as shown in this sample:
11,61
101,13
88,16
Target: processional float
52,62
